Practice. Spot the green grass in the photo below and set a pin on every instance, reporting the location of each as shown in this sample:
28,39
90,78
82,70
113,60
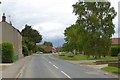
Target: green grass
82,57
111,69
108,58
76,57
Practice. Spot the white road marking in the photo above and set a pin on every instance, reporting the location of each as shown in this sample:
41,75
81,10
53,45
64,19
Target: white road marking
55,66
66,74
58,68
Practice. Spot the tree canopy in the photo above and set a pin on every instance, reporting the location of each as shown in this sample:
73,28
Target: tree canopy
93,29
31,34
29,40
48,43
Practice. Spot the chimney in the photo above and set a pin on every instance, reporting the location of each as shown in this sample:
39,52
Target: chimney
3,18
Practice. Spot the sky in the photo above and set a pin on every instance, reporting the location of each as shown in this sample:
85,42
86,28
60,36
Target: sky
49,17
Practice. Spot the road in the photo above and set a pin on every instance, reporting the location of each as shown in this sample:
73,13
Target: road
46,66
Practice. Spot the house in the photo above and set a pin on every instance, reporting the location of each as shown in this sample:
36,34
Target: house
115,41
8,33
49,49
58,49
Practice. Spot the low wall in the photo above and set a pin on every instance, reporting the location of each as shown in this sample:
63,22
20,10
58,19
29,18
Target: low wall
114,64
105,62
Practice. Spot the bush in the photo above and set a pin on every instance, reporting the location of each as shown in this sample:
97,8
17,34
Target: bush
61,54
7,53
25,50
115,50
39,48
47,52
30,52
70,55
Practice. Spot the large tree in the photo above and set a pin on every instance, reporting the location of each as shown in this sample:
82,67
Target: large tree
95,26
31,34
73,37
30,38
48,43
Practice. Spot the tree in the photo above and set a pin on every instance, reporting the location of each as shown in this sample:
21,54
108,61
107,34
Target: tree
93,29
25,50
48,43
30,38
96,19
32,34
40,48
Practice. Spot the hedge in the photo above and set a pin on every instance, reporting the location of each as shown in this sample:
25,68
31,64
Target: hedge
115,50
7,52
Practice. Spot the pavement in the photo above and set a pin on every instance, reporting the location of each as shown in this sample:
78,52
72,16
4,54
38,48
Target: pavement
81,62
3,66
12,70
46,66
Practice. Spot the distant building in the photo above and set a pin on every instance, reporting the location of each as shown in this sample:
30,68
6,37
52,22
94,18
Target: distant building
9,33
49,49
115,41
58,49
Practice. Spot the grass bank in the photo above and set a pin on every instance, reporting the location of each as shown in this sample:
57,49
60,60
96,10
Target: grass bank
67,56
111,69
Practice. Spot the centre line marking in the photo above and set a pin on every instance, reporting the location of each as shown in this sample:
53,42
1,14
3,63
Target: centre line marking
55,66
66,74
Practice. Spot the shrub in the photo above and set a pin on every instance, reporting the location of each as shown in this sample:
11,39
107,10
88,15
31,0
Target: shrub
61,54
47,52
70,55
25,50
30,52
7,53
115,50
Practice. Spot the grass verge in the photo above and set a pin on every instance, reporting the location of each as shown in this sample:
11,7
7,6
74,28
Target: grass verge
81,57
66,57
111,69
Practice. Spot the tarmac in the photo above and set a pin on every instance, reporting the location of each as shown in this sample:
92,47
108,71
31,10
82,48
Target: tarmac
97,67
13,70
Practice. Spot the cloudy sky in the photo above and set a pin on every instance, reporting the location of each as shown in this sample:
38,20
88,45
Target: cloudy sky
49,17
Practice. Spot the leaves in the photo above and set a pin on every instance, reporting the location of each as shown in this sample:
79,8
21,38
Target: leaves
48,44
31,34
93,29
30,38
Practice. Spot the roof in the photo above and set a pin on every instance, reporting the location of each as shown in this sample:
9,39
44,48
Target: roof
115,41
11,26
48,48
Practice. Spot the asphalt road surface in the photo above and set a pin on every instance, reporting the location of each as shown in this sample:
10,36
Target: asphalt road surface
46,66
